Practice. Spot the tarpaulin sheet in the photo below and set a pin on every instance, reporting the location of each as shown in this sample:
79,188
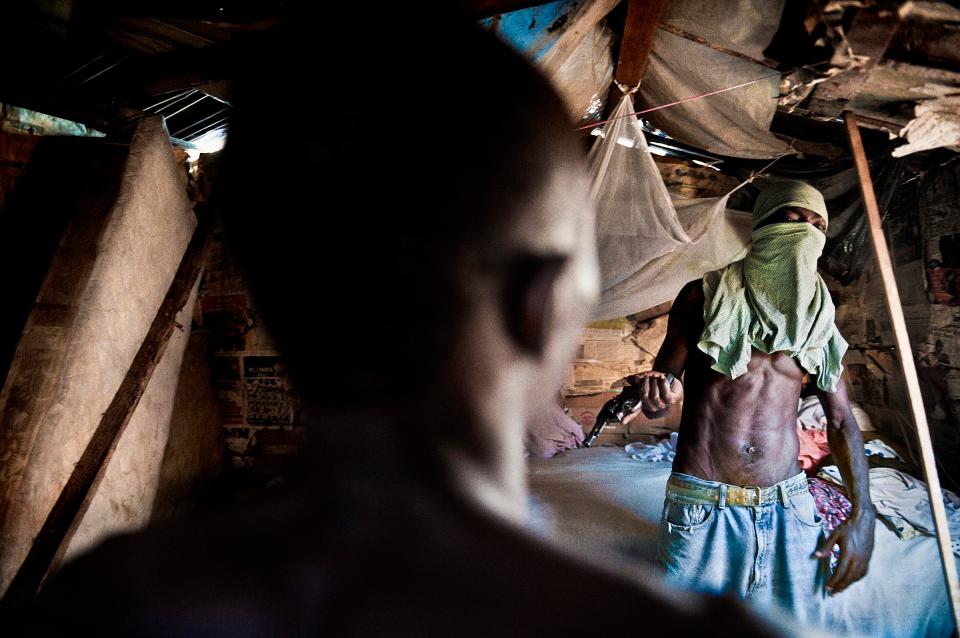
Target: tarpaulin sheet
735,123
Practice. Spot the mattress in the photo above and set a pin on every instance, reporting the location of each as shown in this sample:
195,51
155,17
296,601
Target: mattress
600,501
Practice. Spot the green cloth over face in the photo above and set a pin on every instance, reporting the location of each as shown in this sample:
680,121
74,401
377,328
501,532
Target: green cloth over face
775,301
787,194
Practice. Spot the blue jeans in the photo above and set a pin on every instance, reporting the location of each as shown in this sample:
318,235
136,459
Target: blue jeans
763,553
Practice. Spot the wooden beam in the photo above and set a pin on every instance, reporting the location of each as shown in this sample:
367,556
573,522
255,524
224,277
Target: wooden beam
73,501
579,24
905,353
870,35
928,44
639,32
652,313
716,47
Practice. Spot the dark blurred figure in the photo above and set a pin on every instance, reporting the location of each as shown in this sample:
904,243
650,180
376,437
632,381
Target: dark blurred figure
412,215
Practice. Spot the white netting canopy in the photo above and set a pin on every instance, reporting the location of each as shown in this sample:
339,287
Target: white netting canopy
649,244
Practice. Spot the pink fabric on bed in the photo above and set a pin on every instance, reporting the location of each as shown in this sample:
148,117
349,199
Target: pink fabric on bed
813,448
834,508
552,432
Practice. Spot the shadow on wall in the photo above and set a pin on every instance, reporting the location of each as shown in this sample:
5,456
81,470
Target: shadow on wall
40,178
192,471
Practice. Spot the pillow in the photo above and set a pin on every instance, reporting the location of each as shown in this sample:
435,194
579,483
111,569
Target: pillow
552,432
810,415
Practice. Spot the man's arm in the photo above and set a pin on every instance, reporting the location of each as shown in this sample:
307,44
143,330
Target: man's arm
657,396
855,535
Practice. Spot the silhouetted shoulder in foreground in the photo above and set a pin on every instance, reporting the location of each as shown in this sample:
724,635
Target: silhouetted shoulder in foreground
396,564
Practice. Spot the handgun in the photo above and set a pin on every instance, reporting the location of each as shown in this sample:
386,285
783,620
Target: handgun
625,403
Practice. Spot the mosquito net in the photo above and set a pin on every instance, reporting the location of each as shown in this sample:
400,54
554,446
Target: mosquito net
649,244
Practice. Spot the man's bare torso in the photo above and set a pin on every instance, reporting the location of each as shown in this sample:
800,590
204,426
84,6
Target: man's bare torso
743,431
740,431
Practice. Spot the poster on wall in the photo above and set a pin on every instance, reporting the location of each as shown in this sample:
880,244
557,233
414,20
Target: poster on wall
943,275
941,234
268,397
944,335
230,398
227,381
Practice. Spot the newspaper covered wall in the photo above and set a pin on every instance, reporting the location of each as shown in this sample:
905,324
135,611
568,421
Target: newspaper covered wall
922,227
257,405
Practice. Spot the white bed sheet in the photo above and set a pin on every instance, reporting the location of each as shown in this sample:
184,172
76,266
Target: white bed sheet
601,501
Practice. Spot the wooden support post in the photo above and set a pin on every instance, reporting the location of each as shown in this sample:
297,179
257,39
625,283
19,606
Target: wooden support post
639,32
906,360
76,495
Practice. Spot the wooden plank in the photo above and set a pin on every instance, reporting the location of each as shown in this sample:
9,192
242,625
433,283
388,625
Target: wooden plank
900,80
73,501
927,44
870,35
716,47
927,10
639,32
580,23
905,353
651,313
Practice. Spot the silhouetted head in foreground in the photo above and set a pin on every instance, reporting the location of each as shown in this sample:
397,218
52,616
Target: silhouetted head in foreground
418,237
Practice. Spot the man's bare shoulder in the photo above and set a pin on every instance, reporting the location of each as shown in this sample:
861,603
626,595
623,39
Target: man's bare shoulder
687,308
691,295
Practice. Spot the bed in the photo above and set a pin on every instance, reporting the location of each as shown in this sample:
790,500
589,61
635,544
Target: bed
602,501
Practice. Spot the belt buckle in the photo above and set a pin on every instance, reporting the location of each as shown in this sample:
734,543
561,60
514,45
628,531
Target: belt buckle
748,488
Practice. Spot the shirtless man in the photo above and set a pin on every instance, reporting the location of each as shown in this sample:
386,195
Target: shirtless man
743,337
